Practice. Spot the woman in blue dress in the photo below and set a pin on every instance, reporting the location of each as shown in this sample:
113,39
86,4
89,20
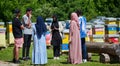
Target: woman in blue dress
39,53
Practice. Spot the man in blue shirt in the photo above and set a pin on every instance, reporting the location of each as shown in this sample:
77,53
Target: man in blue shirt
82,22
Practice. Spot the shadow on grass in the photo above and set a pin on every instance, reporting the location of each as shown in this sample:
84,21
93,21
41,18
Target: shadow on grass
64,62
50,57
11,45
93,61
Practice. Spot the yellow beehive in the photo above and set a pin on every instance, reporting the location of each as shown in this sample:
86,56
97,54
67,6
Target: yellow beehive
65,39
87,39
1,24
10,28
112,32
110,20
100,33
98,38
99,30
2,37
11,37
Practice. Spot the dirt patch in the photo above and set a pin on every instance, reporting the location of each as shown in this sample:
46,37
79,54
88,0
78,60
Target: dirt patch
7,64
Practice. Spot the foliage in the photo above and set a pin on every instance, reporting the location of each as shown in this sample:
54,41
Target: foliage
46,8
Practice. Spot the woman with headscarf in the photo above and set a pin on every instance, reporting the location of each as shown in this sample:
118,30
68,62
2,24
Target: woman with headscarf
39,53
75,54
56,38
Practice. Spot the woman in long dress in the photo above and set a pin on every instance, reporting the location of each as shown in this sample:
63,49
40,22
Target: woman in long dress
75,54
56,38
39,53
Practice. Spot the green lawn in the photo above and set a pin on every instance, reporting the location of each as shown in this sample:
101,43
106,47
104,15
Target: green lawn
6,55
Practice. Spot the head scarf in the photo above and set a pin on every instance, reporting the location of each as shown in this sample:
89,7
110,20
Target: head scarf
74,17
40,26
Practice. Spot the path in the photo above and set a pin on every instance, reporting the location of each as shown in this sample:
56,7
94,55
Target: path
7,64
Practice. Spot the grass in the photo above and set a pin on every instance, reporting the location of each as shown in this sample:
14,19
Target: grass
7,54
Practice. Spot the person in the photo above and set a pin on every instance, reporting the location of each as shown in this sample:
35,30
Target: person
17,33
82,22
75,52
27,34
39,53
56,40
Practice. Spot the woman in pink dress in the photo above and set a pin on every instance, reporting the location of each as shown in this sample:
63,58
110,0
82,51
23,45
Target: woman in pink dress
75,54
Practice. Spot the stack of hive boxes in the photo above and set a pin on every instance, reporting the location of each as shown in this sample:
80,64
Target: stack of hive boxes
111,31
88,38
98,33
65,41
118,23
2,35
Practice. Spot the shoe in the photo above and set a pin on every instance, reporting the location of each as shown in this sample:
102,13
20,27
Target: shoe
84,60
28,58
16,61
13,60
57,58
23,58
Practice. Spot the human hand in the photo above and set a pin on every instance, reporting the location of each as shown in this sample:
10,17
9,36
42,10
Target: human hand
30,16
70,41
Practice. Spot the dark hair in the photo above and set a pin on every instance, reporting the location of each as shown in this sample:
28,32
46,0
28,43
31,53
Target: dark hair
16,11
28,9
79,12
56,18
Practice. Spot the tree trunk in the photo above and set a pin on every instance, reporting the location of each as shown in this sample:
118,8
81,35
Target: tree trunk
111,49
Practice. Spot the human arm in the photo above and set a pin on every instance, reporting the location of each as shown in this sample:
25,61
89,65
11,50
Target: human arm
71,31
27,21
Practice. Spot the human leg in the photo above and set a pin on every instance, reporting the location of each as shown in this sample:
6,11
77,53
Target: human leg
58,52
84,51
54,52
24,47
28,46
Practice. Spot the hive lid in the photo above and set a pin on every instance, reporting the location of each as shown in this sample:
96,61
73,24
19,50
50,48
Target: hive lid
118,19
110,19
98,26
9,22
98,35
113,35
88,26
2,29
66,31
2,23
110,25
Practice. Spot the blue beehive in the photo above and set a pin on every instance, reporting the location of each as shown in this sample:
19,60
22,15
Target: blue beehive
111,29
65,47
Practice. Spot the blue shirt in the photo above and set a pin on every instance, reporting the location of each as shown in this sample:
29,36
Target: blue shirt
82,23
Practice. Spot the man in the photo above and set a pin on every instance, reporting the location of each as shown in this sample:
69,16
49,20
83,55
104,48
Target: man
27,34
82,23
17,33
